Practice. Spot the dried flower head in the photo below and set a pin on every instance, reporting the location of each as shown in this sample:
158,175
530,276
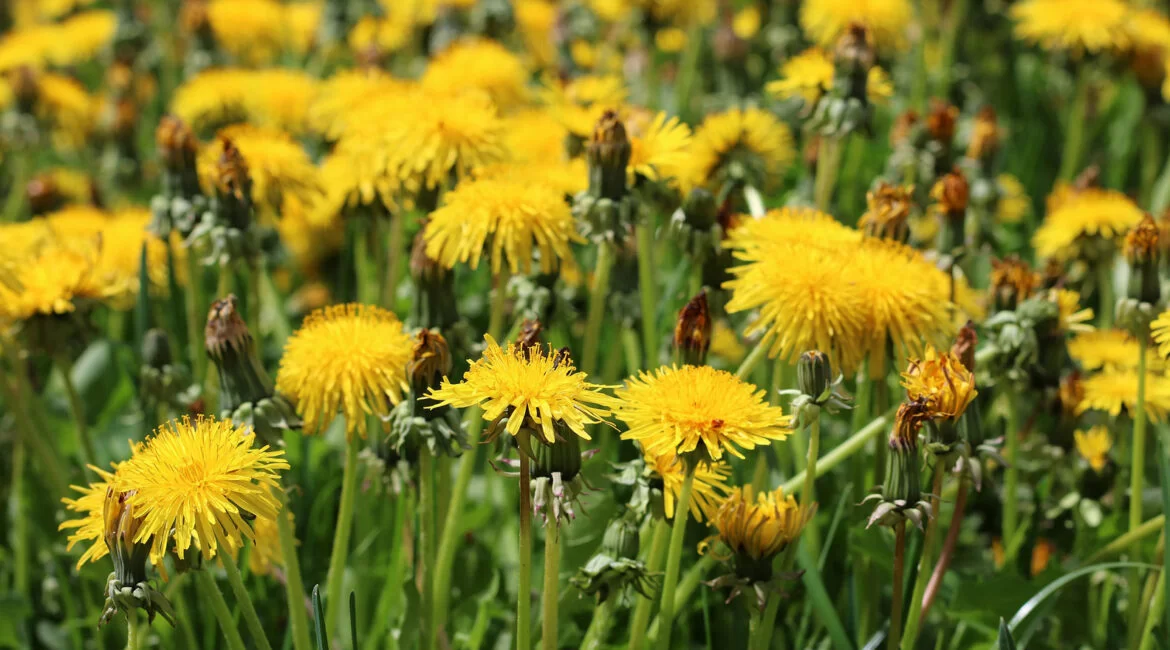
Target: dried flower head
888,213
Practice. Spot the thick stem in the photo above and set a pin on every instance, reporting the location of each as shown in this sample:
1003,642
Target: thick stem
895,636
334,603
1105,293
753,358
674,558
241,592
551,593
294,587
599,625
78,409
524,590
1011,483
654,565
914,616
598,291
452,532
647,288
828,163
1074,140
688,584
944,559
631,351
426,540
1137,482
395,254
132,639
499,305
808,495
195,315
213,596
763,636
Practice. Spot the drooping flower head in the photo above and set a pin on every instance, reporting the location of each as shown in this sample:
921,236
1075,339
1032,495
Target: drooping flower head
348,358
527,387
1073,26
941,382
201,482
697,413
825,20
1094,445
511,219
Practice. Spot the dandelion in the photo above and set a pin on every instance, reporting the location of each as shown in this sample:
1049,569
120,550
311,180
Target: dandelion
278,165
579,103
658,146
478,64
1090,214
251,31
337,96
709,487
1071,318
941,383
1109,349
1113,390
90,526
825,20
1074,26
1094,445
809,75
751,138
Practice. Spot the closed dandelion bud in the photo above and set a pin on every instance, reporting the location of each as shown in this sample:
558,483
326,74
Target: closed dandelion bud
951,194
814,374
128,586
984,142
176,145
695,224
1012,282
940,122
557,482
900,496
692,332
616,566
905,129
25,87
888,213
853,56
430,361
1142,251
608,153
621,538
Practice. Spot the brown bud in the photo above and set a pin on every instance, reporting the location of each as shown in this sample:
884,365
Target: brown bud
911,416
610,142
1012,282
529,335
940,122
232,171
1141,244
25,87
984,135
888,211
422,266
1072,392
951,193
225,328
692,331
430,360
964,346
176,144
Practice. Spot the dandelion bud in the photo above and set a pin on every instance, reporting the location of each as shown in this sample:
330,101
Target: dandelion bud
156,348
940,122
1012,282
1142,251
900,496
964,346
608,153
814,373
692,332
616,565
888,213
25,87
245,389
176,144
984,142
430,361
951,194
557,482
621,538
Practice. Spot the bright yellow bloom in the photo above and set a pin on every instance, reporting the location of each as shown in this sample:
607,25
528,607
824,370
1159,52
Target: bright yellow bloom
273,97
1160,329
746,23
565,176
527,386
1072,317
1014,203
535,135
349,358
809,75
90,527
759,526
250,31
338,95
824,21
658,146
478,64
536,21
27,12
697,410
515,217
74,41
51,281
942,382
1111,390
671,40
266,552
764,142
579,103
201,482
709,487
1113,349
1075,26
725,343
66,108
387,34
301,20
1107,214
279,166
1094,445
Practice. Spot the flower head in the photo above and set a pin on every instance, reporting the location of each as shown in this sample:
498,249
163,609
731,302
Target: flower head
825,20
1111,390
1073,26
942,382
350,358
1088,213
747,142
658,146
888,213
510,217
697,412
1071,317
754,528
1012,282
482,64
90,526
809,75
710,484
528,387
1111,349
278,166
579,103
1094,445
201,482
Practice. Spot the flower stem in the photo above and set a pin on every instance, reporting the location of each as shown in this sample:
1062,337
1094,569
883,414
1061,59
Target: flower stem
598,290
395,252
1011,483
1074,140
499,304
132,628
1105,293
630,349
654,565
843,451
828,162
687,584
241,592
445,557
1137,476
753,359
808,495
762,639
1147,641
599,625
944,559
392,593
646,288
551,593
336,577
426,540
895,636
914,616
524,591
212,595
194,302
674,558
78,409
294,586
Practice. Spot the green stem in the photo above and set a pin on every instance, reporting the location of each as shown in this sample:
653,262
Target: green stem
241,592
843,451
598,290
524,589
254,300
20,538
452,531
551,593
1147,642
653,565
828,163
336,578
688,584
753,358
213,596
808,495
1130,538
426,540
294,586
1137,476
895,636
78,409
132,639
1011,484
913,618
195,316
396,252
674,558
1105,293
499,305
18,399
648,291
763,636
1074,140
599,625
630,349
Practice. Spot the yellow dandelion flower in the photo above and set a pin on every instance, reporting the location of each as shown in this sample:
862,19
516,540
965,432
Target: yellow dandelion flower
710,484
387,34
201,482
535,135
942,382
1094,445
90,526
658,146
25,12
349,358
274,97
746,23
266,554
1113,349
1013,204
250,31
51,281
579,103
81,37
824,21
671,40
514,216
1112,390
64,104
1160,330
336,96
536,21
757,527
1091,212
279,166
528,386
566,176
697,410
806,227
280,98
1072,317
1075,26
809,75
754,137
301,20
214,97
480,64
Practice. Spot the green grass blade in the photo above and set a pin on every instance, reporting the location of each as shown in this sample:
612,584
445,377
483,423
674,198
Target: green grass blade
1023,620
1004,641
822,605
1164,470
319,619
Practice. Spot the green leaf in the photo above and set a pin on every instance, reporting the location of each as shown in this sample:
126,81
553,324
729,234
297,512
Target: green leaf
142,306
319,619
1023,620
822,604
353,635
1004,641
